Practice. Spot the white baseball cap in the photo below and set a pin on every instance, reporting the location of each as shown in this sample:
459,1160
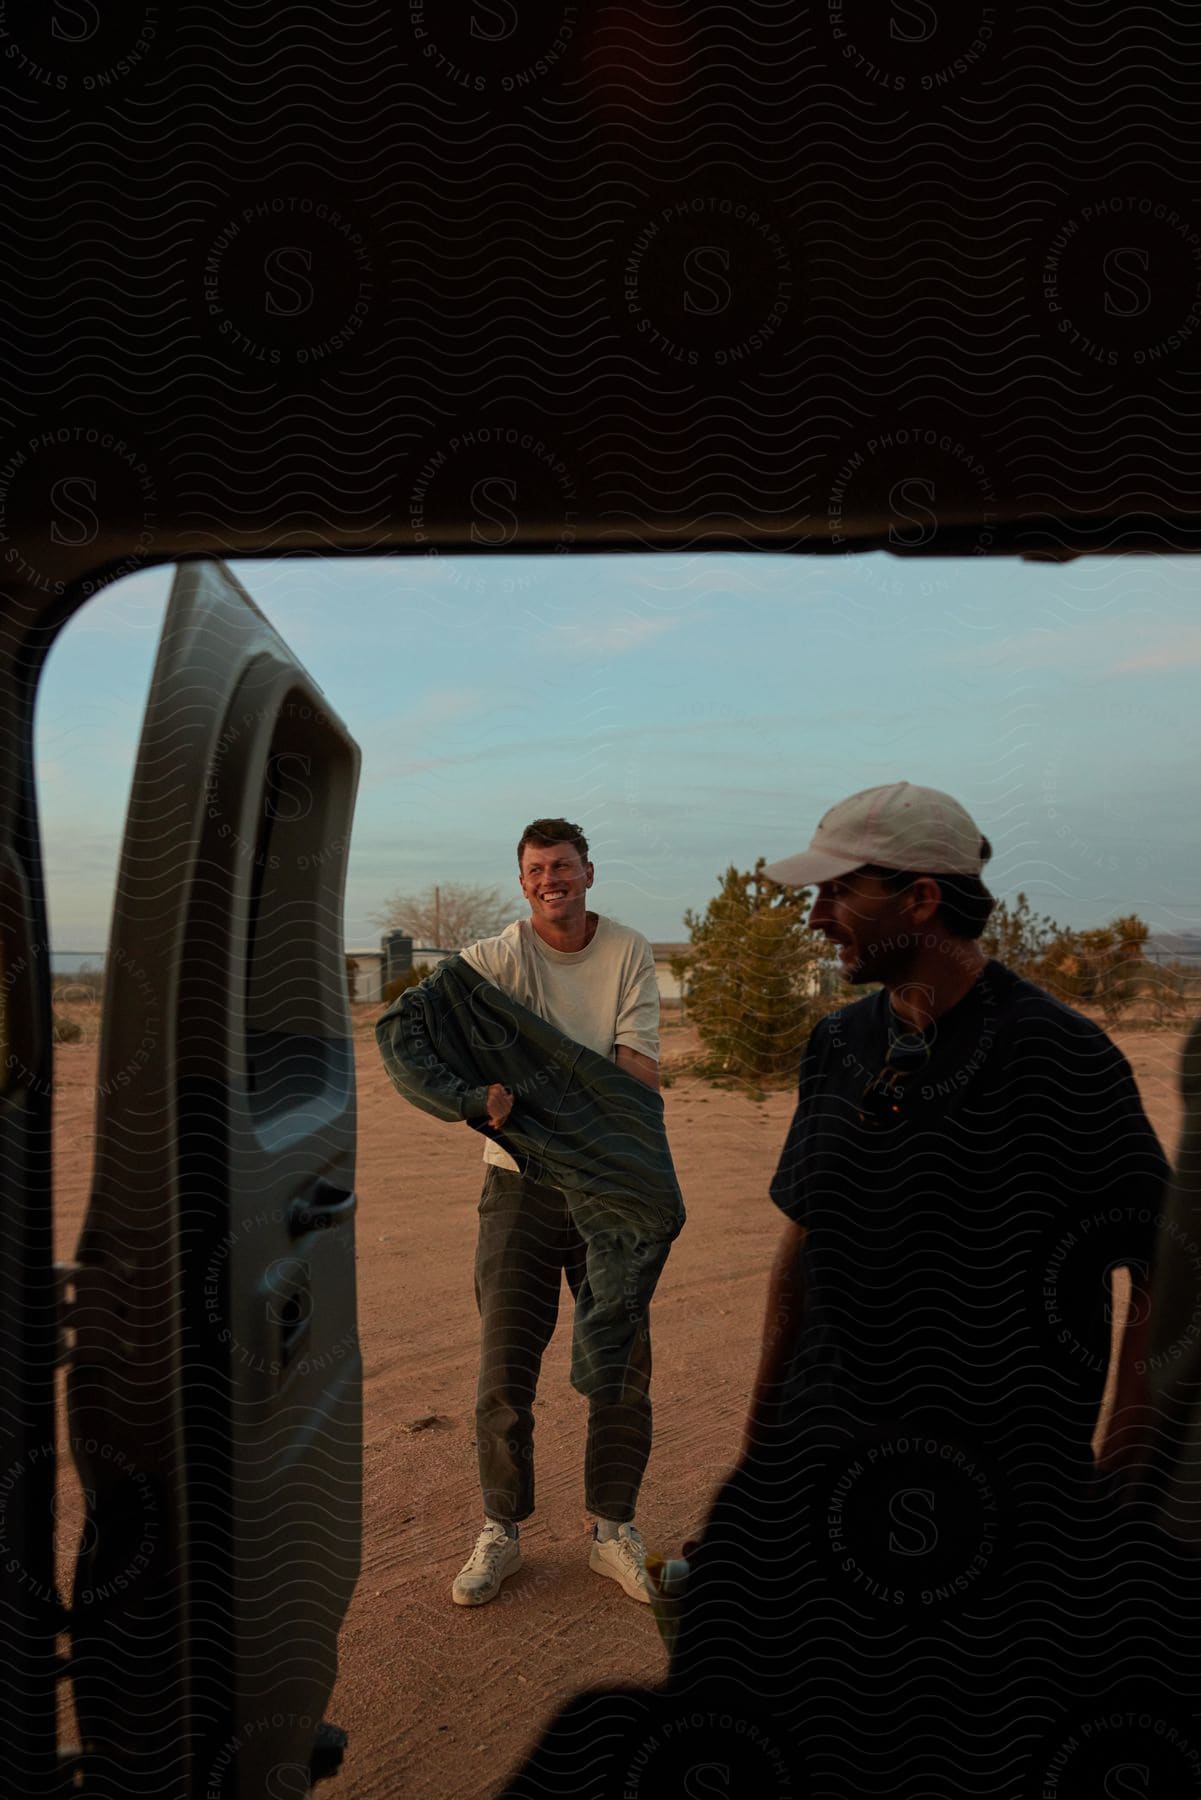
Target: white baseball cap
896,827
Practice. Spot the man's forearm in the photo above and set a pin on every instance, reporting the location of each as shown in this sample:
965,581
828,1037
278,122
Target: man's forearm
782,1324
1128,1432
642,1068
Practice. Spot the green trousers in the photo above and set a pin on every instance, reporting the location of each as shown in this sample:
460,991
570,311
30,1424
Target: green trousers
530,1237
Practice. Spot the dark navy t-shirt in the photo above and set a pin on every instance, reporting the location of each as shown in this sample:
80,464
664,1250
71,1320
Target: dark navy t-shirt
961,1230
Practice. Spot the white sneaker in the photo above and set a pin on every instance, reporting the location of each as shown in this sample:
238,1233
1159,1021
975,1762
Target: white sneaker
495,1556
624,1559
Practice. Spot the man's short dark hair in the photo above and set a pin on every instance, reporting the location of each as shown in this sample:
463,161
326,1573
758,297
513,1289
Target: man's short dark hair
965,906
545,832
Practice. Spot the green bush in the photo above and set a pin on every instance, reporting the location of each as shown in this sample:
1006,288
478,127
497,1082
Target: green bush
753,975
1104,967
1173,989
1020,938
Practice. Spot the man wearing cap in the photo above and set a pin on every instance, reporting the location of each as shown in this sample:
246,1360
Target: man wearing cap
916,1546
968,1167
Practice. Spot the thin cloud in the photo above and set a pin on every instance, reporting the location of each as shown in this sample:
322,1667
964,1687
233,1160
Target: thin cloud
439,706
1175,649
613,638
1133,644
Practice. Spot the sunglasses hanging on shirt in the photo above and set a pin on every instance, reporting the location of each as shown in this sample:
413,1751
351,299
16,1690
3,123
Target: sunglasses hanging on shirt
883,1094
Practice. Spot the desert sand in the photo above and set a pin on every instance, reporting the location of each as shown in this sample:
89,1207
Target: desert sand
440,1701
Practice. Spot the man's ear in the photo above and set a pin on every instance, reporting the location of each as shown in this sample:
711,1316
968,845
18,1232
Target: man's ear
925,894
588,879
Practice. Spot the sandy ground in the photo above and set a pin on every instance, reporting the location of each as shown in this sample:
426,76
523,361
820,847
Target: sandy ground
440,1701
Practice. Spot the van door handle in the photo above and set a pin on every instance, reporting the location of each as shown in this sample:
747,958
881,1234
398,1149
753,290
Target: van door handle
323,1207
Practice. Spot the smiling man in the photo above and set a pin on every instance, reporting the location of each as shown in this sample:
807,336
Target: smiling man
917,1541
968,1167
594,980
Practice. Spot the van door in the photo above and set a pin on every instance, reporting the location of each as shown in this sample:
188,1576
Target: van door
29,1311
215,1384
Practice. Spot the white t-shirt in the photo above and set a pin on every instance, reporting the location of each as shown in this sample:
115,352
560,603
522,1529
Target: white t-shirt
601,996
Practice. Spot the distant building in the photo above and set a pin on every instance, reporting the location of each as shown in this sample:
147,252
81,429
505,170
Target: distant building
825,979
669,984
365,974
375,967
1173,946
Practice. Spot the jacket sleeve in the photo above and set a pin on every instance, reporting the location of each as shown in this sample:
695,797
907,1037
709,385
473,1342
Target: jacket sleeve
408,1044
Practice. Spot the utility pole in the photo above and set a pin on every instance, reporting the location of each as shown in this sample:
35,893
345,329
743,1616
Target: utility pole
437,918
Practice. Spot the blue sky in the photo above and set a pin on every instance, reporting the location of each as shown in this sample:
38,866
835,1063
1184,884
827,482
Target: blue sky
691,711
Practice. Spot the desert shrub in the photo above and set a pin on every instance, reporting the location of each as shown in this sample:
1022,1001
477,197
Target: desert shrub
1019,937
87,983
400,984
753,976
1104,967
1173,990
66,1030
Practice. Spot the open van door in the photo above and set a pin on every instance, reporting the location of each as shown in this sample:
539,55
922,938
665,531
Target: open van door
214,1381
30,1613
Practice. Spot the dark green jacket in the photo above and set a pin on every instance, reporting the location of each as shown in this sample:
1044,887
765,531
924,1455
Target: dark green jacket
578,1121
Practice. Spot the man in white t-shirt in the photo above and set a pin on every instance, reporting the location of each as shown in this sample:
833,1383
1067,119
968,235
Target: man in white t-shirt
594,980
